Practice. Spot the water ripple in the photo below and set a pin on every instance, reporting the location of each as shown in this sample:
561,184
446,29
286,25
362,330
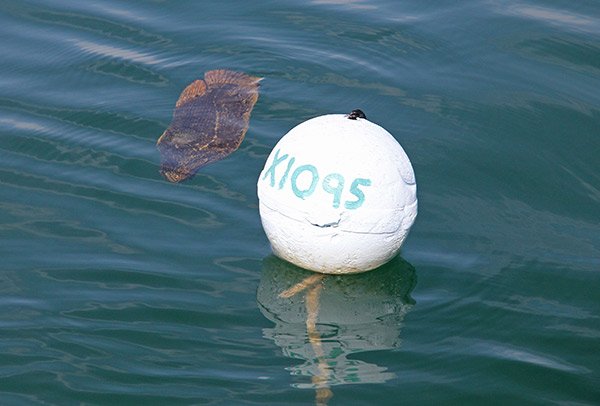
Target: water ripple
508,352
111,51
562,18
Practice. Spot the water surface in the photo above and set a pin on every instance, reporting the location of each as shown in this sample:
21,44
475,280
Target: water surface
118,287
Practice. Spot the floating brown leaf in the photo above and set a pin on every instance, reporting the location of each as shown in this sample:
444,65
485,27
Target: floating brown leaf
209,122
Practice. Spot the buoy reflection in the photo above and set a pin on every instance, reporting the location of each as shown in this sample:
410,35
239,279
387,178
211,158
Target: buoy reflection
322,319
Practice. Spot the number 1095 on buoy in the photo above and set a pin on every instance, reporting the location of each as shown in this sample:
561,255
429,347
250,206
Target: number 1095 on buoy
332,183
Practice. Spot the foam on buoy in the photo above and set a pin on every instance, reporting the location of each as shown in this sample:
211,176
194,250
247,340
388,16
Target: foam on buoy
337,195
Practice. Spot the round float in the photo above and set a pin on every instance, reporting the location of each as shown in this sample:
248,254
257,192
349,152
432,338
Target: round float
337,195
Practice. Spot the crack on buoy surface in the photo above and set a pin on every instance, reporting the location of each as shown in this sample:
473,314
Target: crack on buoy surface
324,223
332,224
356,113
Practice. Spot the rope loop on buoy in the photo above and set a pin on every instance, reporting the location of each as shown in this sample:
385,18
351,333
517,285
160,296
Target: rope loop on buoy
356,113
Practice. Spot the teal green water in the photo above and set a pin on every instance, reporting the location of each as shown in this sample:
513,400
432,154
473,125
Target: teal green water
117,287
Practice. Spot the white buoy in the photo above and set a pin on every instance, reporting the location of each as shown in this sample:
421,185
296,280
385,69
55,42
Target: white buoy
337,195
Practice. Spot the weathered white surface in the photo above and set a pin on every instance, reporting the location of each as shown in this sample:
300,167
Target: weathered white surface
337,195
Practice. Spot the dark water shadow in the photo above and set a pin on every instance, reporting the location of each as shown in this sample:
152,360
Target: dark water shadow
324,319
